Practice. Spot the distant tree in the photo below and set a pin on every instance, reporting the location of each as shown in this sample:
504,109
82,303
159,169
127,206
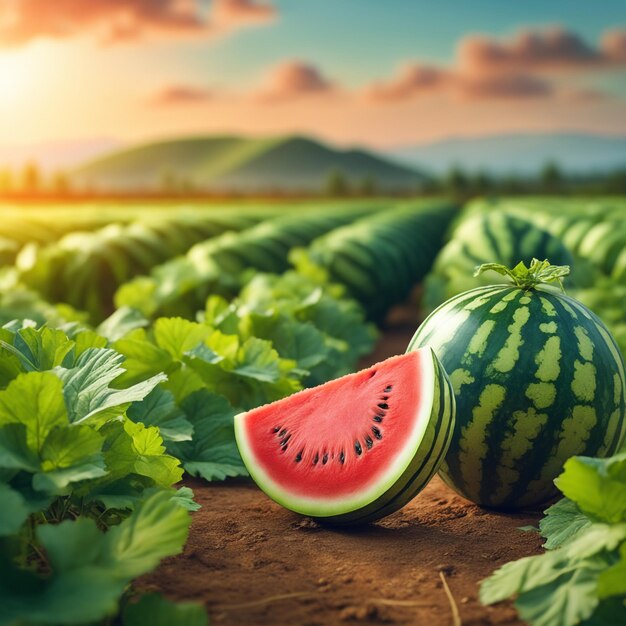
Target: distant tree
336,184
368,186
511,184
31,178
457,182
551,177
169,182
481,183
60,183
6,180
615,182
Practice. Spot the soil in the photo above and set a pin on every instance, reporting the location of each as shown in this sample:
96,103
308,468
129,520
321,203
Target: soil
251,562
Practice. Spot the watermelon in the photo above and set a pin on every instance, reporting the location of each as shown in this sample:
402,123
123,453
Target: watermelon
356,448
538,378
482,238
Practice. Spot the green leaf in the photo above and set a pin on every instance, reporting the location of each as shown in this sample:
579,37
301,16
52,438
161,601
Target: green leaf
15,454
90,569
42,349
598,486
157,528
565,601
87,386
563,522
612,582
185,498
14,510
69,454
177,335
132,448
143,358
213,453
157,611
159,408
36,401
121,322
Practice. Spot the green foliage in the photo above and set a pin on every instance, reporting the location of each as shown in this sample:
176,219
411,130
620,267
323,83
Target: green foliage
86,492
581,579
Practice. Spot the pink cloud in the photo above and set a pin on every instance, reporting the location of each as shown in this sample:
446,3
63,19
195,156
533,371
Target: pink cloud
523,67
242,12
293,79
181,95
22,21
412,80
527,51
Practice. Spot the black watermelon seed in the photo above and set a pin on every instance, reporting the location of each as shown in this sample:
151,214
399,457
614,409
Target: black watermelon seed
276,429
357,447
387,389
316,458
285,440
378,418
368,442
377,432
283,432
342,457
299,457
383,405
325,458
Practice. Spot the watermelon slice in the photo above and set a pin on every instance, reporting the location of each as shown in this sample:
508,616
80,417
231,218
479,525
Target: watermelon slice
354,449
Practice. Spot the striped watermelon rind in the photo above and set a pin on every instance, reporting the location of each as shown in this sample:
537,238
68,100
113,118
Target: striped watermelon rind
537,377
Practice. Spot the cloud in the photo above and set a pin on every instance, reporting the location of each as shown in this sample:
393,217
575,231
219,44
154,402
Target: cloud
527,51
504,86
524,67
181,95
242,12
22,21
412,80
294,79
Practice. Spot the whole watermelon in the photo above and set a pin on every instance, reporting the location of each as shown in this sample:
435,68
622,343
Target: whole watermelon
537,378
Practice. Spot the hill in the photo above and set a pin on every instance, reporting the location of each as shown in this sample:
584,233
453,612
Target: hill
240,164
520,153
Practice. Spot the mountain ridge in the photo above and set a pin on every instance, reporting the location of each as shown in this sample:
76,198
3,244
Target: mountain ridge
520,153
237,163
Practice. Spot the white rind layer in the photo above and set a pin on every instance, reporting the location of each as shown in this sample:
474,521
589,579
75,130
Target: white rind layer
327,506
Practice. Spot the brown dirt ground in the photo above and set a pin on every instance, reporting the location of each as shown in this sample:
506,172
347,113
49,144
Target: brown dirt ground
251,562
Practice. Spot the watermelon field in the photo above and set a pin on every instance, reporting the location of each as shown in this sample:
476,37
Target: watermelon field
439,445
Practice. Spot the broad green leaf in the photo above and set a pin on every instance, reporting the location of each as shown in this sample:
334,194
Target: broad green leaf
91,569
36,401
157,611
134,448
143,359
185,498
42,349
87,386
15,454
565,601
213,453
157,528
69,454
159,408
612,582
14,510
562,523
598,486
121,322
177,335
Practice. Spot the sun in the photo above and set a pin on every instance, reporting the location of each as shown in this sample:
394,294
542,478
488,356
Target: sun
17,70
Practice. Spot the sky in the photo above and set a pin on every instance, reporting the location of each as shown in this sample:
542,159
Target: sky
367,72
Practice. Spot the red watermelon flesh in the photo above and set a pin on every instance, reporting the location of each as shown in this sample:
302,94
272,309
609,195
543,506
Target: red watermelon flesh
353,446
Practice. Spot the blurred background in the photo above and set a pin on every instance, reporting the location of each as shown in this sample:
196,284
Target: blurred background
250,97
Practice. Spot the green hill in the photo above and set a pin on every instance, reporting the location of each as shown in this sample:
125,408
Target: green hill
240,164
